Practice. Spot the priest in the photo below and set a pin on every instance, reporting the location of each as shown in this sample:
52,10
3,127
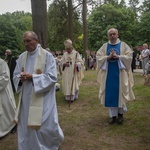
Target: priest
7,101
72,72
114,60
35,76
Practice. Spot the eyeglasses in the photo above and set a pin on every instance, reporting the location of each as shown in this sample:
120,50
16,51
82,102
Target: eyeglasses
112,34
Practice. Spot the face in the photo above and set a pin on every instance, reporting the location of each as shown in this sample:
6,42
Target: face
145,46
29,42
112,35
7,53
69,50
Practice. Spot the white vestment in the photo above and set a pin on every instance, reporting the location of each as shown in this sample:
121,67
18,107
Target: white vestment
7,101
126,81
49,135
71,79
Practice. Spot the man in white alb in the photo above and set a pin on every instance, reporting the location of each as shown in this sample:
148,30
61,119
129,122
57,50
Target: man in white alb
35,76
7,101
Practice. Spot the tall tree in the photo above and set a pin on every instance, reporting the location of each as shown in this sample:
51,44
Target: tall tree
39,18
112,2
122,3
85,36
70,24
134,5
146,6
58,26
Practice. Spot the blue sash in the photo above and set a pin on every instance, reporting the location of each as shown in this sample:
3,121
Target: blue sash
112,79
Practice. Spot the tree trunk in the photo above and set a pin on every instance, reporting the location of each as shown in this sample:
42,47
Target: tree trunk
70,24
85,38
39,19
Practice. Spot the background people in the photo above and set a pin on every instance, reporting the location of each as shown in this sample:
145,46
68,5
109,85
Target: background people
133,64
145,57
114,60
11,61
72,71
35,76
7,101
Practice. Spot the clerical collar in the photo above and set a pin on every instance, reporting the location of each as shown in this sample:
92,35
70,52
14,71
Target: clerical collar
33,52
118,41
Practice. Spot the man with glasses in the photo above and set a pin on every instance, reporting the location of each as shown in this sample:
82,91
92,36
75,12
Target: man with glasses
114,60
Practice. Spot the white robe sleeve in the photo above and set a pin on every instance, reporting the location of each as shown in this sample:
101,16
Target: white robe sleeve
43,82
4,76
120,64
101,58
16,75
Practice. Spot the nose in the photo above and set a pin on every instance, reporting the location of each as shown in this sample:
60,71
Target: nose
26,43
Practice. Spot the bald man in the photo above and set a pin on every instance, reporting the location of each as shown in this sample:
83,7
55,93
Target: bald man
114,60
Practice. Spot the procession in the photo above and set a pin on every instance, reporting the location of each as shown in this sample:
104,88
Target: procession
70,71
78,87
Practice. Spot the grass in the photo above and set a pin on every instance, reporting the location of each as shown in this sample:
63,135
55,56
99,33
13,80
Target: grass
85,123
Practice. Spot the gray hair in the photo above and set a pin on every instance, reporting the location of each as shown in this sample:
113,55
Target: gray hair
8,50
112,29
33,34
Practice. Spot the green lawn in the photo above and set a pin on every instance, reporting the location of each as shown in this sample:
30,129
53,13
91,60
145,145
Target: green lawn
85,123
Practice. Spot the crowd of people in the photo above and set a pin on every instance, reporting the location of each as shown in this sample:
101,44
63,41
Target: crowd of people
141,60
34,75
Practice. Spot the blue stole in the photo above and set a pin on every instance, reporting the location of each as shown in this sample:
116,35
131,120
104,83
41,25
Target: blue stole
112,79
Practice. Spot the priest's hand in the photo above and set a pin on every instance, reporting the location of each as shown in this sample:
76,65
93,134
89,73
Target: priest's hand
115,55
25,76
67,64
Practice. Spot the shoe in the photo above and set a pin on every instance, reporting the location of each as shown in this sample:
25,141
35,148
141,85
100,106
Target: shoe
14,129
120,118
112,120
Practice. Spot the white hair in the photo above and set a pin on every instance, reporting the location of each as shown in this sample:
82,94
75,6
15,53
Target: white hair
112,29
68,43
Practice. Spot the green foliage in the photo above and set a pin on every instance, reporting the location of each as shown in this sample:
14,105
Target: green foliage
57,26
145,7
133,29
12,27
134,5
107,16
144,28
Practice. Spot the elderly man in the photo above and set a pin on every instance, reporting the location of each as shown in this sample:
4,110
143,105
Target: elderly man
72,72
35,76
115,76
7,101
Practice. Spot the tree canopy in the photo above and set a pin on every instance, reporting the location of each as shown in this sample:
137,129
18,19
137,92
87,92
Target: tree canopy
132,21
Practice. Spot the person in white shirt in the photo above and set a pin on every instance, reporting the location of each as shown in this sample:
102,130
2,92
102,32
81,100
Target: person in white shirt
145,57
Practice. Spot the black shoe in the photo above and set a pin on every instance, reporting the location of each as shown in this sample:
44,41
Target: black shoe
112,120
120,118
14,129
